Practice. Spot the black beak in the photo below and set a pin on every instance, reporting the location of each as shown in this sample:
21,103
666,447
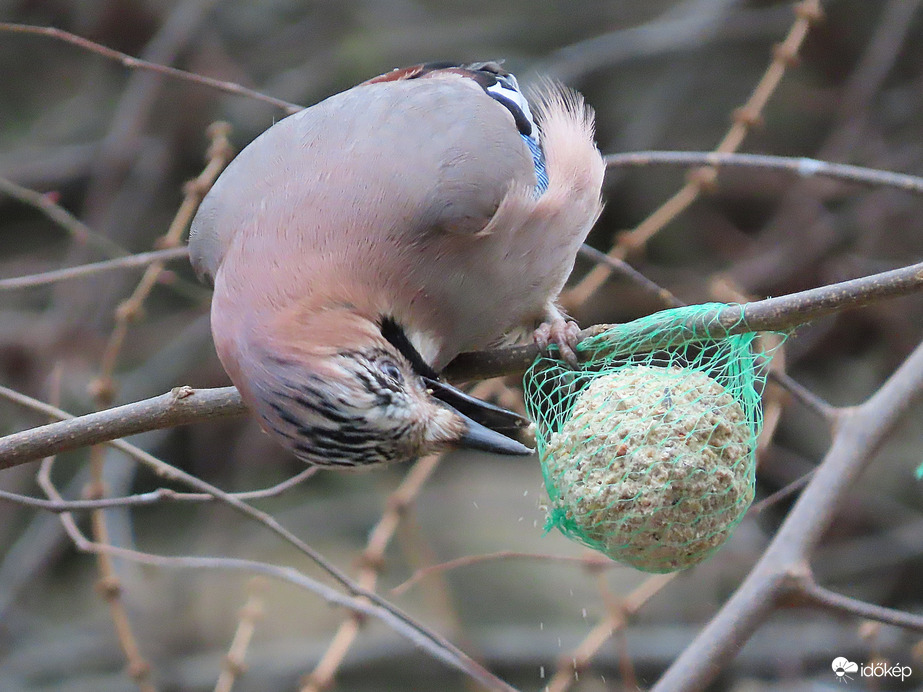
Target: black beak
486,423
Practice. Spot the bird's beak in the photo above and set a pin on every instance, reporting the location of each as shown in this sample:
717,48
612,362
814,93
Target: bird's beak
484,422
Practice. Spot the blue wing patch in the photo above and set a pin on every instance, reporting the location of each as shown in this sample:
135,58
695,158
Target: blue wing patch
538,158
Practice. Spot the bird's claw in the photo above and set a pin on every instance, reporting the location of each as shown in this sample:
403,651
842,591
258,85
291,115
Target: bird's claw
562,333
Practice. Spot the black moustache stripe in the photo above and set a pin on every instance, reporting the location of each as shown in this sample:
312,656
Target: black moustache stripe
394,334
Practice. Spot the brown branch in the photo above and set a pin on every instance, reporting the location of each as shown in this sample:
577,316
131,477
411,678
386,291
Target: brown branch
103,387
217,157
134,110
234,666
150,498
180,406
811,593
78,231
322,677
803,166
185,405
138,64
773,314
128,262
616,620
407,628
591,561
108,585
663,35
138,668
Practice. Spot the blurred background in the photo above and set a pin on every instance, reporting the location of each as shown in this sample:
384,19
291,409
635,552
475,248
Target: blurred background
115,146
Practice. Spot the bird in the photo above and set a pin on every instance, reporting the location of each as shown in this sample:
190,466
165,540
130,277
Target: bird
357,246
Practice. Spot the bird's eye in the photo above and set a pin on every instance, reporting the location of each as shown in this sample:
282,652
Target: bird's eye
391,371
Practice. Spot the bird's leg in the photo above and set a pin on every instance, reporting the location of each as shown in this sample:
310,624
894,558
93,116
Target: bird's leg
557,329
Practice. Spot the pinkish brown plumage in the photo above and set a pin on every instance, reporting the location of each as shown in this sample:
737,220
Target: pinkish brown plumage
357,246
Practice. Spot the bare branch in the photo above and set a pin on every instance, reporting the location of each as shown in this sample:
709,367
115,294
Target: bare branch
180,406
128,262
814,594
150,498
801,166
138,64
291,575
616,620
591,561
234,666
78,231
185,405
322,677
773,314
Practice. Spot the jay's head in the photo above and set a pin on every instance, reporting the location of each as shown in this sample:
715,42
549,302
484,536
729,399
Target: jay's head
358,393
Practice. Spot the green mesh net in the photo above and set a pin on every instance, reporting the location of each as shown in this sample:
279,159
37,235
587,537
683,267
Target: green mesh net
648,449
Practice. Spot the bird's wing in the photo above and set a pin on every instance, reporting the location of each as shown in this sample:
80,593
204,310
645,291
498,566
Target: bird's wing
381,161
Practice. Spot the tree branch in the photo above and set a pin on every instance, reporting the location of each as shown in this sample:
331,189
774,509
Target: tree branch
814,594
138,64
185,405
180,406
801,166
772,314
130,261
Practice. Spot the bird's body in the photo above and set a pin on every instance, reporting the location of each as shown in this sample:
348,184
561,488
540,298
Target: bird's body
405,205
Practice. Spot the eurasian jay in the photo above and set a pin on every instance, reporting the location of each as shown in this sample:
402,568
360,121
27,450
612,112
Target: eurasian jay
359,245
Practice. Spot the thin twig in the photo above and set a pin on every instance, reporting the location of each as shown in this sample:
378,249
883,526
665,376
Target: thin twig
807,13
419,637
800,166
250,614
621,268
135,108
128,262
78,231
217,157
813,594
781,494
138,668
615,620
150,498
321,678
590,561
103,389
810,400
138,64
668,300
666,34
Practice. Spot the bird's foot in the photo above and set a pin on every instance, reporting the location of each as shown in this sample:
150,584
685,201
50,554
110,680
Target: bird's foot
561,332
